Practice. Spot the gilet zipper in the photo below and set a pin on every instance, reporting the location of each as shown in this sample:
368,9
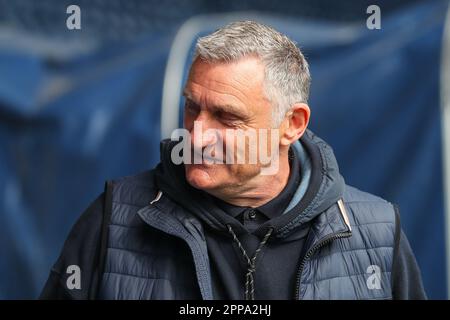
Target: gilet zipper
311,251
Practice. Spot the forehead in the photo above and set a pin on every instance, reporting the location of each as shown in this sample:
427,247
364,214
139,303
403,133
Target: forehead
239,82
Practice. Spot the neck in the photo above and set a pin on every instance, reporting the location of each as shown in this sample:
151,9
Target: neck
260,189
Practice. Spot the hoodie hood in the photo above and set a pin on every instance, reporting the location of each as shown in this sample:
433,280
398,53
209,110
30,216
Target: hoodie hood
324,189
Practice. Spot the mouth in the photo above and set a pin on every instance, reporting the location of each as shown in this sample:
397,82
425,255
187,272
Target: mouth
202,159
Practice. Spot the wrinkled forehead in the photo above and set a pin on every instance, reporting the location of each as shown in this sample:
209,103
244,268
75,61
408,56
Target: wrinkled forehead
237,82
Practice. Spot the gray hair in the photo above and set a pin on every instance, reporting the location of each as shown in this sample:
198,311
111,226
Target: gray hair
287,77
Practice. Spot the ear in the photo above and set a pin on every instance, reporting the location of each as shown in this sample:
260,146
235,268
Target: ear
294,124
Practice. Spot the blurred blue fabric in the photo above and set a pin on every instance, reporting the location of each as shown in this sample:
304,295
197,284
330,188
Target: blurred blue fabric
69,121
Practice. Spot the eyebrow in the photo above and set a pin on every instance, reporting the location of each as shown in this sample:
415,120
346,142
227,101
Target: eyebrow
187,94
227,108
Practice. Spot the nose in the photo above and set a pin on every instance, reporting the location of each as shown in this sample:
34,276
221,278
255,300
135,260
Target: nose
202,133
203,136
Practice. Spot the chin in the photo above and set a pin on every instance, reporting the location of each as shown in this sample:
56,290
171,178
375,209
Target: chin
199,178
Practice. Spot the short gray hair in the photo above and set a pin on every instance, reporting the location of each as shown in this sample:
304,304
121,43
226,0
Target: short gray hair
287,77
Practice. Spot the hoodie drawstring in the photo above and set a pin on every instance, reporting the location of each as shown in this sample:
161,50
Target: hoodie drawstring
158,196
251,263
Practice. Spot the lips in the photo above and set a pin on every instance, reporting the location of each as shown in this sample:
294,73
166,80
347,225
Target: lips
204,157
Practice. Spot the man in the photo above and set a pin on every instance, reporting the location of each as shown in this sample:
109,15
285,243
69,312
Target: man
287,228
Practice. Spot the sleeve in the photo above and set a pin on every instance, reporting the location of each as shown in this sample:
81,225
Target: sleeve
80,254
406,278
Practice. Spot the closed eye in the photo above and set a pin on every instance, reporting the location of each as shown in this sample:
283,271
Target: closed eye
228,118
222,115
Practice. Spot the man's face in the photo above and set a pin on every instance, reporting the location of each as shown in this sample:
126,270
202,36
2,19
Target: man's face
223,96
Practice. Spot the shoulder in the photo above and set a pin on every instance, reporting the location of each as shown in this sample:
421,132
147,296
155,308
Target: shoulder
135,189
352,194
83,246
366,208
143,179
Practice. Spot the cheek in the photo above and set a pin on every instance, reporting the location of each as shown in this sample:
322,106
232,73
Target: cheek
198,177
201,176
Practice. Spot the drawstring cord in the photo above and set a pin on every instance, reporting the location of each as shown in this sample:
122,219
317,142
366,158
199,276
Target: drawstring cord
158,196
251,263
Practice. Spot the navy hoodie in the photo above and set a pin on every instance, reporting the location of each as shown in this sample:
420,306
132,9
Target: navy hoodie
84,242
